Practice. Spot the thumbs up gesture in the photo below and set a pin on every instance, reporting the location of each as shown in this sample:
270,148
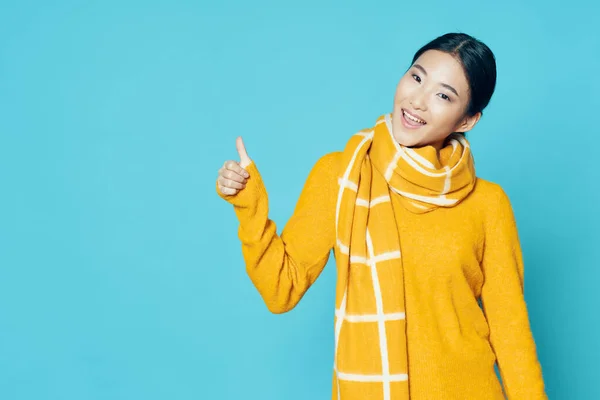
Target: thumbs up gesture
232,175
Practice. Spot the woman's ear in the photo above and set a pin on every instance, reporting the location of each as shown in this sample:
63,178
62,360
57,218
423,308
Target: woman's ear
468,123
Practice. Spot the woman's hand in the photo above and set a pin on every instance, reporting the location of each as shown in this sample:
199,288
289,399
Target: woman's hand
232,175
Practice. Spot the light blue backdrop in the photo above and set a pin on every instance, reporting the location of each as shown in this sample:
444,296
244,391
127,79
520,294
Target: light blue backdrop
121,274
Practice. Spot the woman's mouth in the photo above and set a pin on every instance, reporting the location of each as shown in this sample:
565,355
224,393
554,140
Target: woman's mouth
411,121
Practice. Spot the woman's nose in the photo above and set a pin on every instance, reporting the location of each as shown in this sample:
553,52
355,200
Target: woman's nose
417,100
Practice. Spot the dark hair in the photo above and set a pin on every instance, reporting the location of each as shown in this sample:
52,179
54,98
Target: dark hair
477,61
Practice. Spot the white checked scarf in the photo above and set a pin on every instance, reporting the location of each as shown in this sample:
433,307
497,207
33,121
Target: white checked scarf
370,324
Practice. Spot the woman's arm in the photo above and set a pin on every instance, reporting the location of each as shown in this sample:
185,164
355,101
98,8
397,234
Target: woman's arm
283,267
504,304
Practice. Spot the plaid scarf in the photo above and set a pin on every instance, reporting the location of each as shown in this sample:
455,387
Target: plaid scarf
371,356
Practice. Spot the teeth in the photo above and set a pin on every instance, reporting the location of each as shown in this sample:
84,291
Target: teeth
413,118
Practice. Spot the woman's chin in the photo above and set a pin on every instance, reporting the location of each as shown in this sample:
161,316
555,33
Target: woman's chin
405,141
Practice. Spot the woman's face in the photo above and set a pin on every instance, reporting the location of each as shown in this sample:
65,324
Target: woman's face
430,101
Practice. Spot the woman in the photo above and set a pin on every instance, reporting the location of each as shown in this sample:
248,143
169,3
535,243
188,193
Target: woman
418,240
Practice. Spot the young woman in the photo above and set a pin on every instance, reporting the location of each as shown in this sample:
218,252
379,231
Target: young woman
419,242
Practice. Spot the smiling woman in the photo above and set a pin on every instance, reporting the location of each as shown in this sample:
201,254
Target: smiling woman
450,82
419,241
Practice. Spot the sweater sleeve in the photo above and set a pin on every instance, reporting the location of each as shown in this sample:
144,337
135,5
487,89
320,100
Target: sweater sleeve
504,304
283,267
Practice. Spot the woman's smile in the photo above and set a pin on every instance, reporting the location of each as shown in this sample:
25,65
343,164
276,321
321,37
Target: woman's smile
411,121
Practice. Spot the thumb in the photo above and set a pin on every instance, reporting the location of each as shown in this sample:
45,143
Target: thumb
241,149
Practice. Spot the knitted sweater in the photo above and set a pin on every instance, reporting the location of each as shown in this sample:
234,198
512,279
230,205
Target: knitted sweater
452,258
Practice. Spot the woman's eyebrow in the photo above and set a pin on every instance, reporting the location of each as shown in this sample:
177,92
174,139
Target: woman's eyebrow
418,66
450,88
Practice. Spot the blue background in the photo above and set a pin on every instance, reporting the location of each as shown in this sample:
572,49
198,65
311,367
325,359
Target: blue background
121,275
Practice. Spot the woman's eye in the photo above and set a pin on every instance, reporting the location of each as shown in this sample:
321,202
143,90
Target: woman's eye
443,96
416,78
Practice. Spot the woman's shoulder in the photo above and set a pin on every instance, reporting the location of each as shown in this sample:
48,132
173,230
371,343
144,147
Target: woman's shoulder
323,174
486,188
328,164
331,159
491,197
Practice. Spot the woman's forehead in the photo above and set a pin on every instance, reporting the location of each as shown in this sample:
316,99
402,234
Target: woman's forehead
438,64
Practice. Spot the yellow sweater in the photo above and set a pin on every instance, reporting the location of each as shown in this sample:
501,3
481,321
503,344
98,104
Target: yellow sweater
452,257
